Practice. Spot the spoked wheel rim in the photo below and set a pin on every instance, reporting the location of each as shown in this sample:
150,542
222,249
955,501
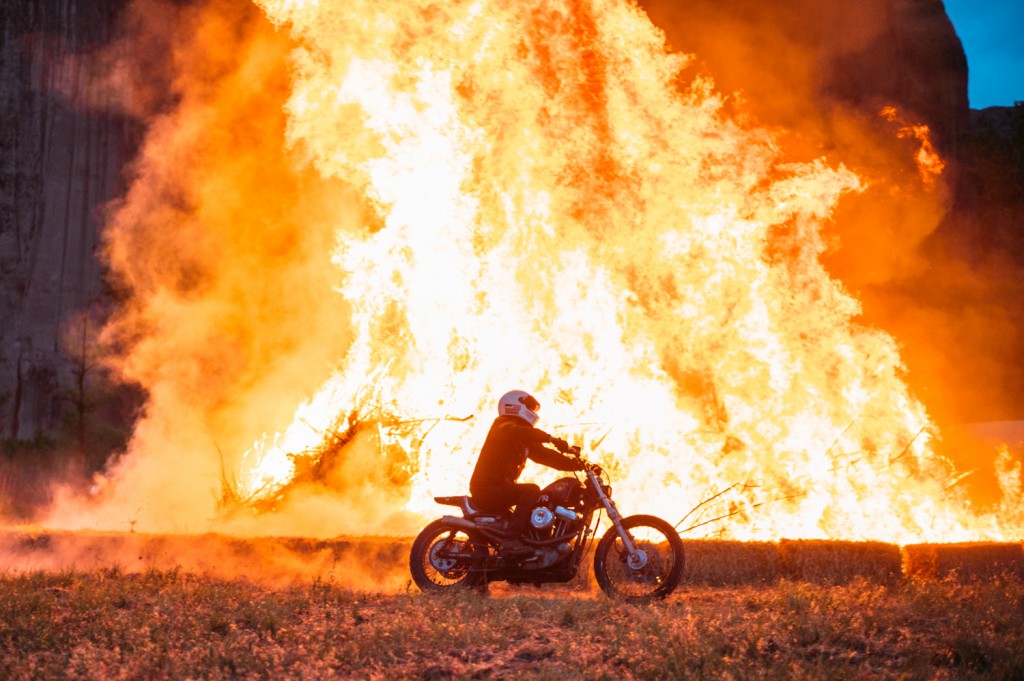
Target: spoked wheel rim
444,557
651,571
441,566
641,573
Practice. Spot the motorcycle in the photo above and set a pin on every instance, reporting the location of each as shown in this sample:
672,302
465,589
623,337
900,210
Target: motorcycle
638,559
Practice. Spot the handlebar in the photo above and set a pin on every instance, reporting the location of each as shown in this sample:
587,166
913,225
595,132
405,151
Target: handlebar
587,465
576,451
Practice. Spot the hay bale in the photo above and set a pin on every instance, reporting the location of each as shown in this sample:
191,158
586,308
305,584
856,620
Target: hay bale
729,563
838,562
965,560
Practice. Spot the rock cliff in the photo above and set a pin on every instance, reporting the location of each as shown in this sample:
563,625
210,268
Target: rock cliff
793,60
59,165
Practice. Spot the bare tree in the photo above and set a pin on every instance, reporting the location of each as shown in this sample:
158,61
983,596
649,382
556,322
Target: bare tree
79,341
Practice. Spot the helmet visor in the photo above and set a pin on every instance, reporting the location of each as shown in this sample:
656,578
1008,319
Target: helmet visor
530,403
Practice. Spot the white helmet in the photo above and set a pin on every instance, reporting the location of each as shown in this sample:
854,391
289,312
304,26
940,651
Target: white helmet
519,403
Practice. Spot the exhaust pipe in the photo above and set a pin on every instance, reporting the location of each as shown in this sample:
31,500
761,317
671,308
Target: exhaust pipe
461,523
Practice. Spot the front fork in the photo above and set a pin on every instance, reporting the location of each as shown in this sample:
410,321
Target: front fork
636,558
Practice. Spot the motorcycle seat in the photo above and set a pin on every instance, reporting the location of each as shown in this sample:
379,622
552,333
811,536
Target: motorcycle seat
472,511
463,501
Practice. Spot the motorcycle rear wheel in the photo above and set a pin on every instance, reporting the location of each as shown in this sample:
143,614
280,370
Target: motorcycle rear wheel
446,558
652,573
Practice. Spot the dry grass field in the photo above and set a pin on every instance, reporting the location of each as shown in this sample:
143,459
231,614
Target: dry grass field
169,624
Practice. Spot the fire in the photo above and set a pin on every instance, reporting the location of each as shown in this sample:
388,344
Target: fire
540,195
929,163
555,213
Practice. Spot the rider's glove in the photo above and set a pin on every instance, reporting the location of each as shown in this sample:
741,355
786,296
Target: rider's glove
560,444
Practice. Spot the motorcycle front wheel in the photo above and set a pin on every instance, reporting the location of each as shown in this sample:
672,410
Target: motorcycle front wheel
445,557
652,571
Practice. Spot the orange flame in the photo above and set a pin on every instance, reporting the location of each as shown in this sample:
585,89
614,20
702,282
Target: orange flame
557,214
525,194
929,164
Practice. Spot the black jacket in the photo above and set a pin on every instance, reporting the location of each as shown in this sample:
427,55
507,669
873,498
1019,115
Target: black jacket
509,443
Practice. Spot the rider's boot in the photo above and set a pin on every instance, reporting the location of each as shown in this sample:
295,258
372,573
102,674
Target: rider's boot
513,546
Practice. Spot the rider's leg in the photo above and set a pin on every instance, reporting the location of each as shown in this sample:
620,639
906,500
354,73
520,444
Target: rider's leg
526,496
497,499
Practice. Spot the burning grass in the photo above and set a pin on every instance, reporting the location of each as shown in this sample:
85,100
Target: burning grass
172,624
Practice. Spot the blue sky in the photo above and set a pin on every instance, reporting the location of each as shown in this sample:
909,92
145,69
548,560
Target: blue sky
992,32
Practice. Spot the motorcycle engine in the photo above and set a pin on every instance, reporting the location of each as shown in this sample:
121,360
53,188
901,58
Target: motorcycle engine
546,523
541,518
548,557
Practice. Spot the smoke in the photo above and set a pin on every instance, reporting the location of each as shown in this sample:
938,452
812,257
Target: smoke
823,78
221,237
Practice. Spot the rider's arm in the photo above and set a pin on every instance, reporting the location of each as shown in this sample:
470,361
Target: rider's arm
549,457
537,438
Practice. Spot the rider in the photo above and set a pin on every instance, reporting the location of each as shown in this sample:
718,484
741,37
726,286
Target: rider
511,440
